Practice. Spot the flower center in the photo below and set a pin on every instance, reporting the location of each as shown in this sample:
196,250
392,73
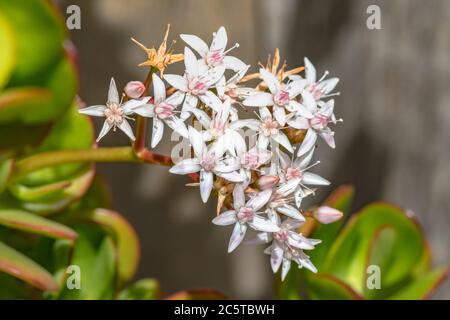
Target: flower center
293,173
164,110
281,236
208,162
319,122
269,127
114,114
245,214
214,57
197,87
315,90
281,98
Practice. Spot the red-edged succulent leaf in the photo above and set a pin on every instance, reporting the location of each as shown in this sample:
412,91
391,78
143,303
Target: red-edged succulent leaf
348,256
197,294
22,220
423,286
144,289
22,267
327,287
6,168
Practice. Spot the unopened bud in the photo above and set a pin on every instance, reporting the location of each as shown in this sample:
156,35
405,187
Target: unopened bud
268,182
327,215
134,89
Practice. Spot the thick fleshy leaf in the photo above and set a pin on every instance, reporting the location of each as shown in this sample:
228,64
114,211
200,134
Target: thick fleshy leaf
144,289
348,255
22,220
73,131
6,167
126,239
22,267
39,33
423,286
95,255
327,287
197,294
55,98
341,200
56,200
13,101
7,50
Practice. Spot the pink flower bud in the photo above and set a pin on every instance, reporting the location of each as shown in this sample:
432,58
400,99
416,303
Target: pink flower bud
134,89
327,215
268,182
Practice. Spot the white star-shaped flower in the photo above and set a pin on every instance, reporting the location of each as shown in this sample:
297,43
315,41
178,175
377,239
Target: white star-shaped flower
195,84
209,162
214,55
115,112
281,96
162,110
245,214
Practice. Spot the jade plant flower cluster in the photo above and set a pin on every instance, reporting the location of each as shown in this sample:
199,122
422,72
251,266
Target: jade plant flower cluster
258,166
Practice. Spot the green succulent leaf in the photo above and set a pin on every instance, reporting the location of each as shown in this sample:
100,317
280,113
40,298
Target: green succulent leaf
95,255
39,34
21,220
20,266
73,131
351,253
144,289
422,286
6,168
7,50
126,239
54,200
327,287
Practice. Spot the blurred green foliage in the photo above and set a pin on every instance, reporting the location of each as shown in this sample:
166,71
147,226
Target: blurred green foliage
380,235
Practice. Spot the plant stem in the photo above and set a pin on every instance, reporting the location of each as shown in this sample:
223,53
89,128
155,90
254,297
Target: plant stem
116,154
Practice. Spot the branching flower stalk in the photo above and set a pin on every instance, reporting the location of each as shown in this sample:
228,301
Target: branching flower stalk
260,168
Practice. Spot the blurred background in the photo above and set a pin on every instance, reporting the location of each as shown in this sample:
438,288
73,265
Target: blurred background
394,144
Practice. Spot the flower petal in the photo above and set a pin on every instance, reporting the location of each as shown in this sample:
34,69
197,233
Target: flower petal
195,43
263,224
146,110
259,200
186,166
276,257
211,100
238,196
177,81
300,109
280,115
206,184
177,125
158,131
159,89
231,176
237,236
285,268
295,87
233,63
310,71
220,40
129,106
196,140
291,212
328,137
314,179
113,95
226,218
125,127
260,99
270,79
95,111
105,129
308,142
283,140
190,61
